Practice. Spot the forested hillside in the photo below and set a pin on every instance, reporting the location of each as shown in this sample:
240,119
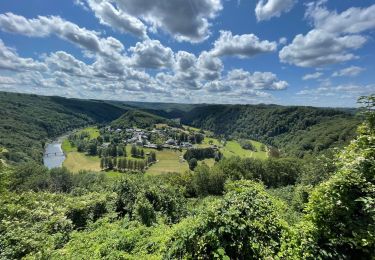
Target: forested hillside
295,130
26,121
138,118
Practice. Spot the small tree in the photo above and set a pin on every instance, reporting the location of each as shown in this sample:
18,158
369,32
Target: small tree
193,163
110,164
102,163
133,151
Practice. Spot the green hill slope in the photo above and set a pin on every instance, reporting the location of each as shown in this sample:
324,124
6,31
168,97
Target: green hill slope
26,121
141,119
297,130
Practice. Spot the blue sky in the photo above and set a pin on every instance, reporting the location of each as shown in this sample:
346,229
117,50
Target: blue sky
288,52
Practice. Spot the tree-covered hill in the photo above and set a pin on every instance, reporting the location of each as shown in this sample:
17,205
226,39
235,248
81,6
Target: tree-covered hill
26,121
296,130
140,119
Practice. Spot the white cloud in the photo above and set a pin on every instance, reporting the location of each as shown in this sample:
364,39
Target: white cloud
209,66
318,48
266,9
312,76
283,40
217,86
353,20
351,91
333,39
243,46
351,71
117,19
184,20
9,60
7,81
151,54
257,80
67,63
45,26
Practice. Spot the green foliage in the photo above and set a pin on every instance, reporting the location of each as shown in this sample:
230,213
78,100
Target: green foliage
244,225
27,121
342,209
31,176
340,216
165,199
192,163
199,153
33,224
298,131
122,239
140,119
272,172
247,145
144,211
208,181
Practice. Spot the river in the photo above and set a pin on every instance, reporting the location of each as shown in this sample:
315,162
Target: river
53,154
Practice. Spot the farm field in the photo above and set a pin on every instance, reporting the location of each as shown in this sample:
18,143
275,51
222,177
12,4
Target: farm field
233,148
76,161
93,131
168,161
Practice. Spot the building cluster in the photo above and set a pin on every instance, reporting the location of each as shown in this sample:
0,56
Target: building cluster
142,137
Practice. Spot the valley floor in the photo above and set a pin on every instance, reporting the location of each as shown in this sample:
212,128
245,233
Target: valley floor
168,160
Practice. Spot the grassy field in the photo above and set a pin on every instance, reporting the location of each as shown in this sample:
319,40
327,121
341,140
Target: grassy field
233,148
67,146
168,161
92,131
76,161
209,162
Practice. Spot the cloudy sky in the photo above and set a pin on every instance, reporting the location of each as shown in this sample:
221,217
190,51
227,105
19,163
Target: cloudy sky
293,52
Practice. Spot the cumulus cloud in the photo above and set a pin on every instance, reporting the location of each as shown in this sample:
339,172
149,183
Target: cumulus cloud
7,81
67,63
186,73
283,40
353,20
117,19
217,86
333,38
53,25
351,71
315,75
10,60
257,80
346,90
318,48
266,9
209,66
151,54
183,20
242,46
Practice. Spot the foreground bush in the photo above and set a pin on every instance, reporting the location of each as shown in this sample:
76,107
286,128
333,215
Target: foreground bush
244,225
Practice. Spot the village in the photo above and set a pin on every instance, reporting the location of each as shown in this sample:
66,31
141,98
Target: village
159,137
166,148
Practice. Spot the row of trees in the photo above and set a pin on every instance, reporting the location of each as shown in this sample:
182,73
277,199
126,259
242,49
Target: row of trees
137,152
194,138
124,164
